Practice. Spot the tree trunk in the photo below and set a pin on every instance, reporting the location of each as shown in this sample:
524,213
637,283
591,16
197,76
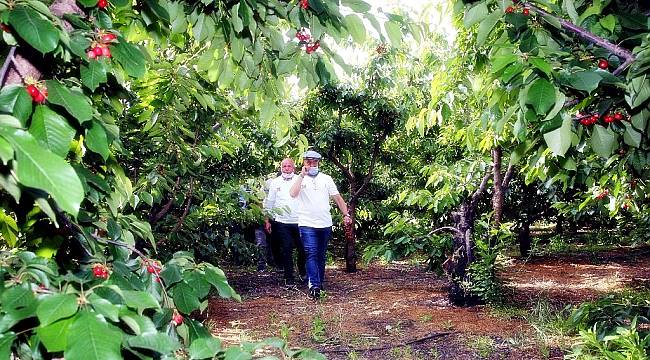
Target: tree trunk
350,240
524,238
559,224
462,255
498,194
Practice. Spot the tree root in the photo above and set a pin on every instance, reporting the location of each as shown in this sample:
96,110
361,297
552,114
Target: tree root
386,347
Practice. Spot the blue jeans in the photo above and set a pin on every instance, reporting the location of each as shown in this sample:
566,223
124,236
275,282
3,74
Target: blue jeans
314,241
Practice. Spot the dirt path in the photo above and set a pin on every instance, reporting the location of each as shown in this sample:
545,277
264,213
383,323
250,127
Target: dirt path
398,311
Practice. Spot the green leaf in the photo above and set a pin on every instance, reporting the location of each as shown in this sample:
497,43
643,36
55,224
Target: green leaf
541,96
486,26
205,348
475,14
55,307
52,130
159,342
632,137
541,65
54,336
358,6
584,80
15,100
130,57
501,61
89,338
217,278
75,102
6,340
96,139
39,168
137,323
354,25
93,74
33,28
6,151
608,22
139,300
19,302
8,229
185,298
235,21
603,141
559,140
394,33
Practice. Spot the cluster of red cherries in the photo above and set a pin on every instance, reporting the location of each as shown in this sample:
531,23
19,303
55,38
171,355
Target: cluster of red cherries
37,91
304,4
177,318
511,9
99,47
153,267
588,120
304,39
100,271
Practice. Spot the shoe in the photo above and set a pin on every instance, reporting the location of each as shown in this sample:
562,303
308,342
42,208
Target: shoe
314,293
261,268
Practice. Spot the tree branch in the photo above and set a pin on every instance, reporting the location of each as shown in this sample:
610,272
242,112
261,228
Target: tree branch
446,228
159,215
367,178
187,207
594,39
5,67
481,189
508,176
348,174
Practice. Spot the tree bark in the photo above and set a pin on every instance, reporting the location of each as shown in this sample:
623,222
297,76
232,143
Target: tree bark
524,238
351,239
498,193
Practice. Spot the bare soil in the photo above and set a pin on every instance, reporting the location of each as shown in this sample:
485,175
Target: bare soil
400,311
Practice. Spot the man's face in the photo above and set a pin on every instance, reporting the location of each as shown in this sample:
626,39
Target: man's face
311,162
288,167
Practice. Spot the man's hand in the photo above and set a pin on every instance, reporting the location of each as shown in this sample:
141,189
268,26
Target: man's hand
347,220
267,226
305,171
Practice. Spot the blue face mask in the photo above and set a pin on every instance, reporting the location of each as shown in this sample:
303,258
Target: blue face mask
313,171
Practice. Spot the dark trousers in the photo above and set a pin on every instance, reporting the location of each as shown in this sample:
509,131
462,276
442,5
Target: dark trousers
289,237
276,245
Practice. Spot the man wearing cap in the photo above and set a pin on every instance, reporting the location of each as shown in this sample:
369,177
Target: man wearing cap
285,226
313,190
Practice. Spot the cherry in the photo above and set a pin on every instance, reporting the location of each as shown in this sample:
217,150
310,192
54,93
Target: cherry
626,206
91,54
98,51
106,52
102,4
108,37
304,4
525,11
177,319
5,28
32,90
510,10
609,119
39,98
618,116
100,271
603,64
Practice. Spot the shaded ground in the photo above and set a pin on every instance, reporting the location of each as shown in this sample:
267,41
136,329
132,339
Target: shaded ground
399,311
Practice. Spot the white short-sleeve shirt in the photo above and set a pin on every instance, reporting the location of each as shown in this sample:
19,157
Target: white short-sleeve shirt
314,201
279,199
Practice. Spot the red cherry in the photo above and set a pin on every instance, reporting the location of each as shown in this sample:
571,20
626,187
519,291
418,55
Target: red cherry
91,54
177,319
98,51
102,4
32,90
525,11
510,10
5,28
39,98
626,206
618,116
316,46
609,119
108,37
151,269
99,270
106,52
304,4
603,64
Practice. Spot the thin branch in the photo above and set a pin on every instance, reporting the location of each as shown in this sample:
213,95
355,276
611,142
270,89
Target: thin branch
477,194
5,66
594,39
159,215
367,178
187,207
348,174
508,176
446,228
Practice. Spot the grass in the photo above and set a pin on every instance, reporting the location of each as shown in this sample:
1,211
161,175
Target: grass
483,345
318,329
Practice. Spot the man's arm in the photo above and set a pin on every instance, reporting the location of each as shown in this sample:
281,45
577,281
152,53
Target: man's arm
295,188
343,207
269,204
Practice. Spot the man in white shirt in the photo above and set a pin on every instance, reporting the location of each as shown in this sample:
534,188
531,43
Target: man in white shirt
313,191
285,224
